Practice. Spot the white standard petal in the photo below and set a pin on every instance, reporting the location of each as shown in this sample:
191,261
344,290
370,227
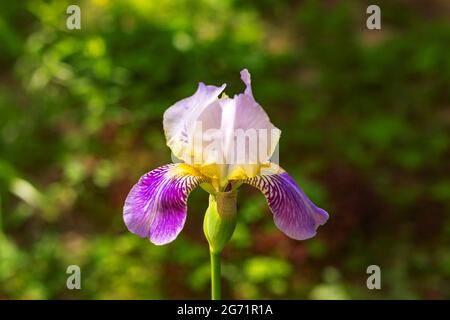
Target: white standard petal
180,120
255,138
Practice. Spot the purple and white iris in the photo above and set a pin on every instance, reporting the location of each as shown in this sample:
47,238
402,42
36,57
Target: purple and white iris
156,206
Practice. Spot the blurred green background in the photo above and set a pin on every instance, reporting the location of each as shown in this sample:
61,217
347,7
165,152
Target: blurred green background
365,117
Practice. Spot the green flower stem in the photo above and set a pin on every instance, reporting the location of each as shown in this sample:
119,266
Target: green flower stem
219,225
215,275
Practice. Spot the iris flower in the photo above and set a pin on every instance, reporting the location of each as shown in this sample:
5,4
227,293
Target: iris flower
156,206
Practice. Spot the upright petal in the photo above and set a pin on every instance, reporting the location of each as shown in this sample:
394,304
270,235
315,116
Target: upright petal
293,212
250,115
254,136
237,136
180,119
246,78
155,208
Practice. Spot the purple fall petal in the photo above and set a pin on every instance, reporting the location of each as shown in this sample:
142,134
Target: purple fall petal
293,212
155,208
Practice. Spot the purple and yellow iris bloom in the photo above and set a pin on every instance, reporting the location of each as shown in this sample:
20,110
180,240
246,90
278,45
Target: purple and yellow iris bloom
156,206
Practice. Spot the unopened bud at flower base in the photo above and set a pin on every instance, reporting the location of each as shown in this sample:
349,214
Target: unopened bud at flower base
220,219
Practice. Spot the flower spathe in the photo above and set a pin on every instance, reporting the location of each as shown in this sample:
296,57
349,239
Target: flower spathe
156,206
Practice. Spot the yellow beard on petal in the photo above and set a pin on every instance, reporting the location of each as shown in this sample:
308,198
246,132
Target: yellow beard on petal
216,172
212,171
184,168
244,171
221,174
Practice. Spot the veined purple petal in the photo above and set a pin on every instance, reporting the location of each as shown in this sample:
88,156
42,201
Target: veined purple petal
155,208
293,212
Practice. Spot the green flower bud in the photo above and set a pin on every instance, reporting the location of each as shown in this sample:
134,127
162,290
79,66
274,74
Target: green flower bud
220,219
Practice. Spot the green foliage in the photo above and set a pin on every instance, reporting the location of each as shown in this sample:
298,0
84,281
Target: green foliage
365,132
